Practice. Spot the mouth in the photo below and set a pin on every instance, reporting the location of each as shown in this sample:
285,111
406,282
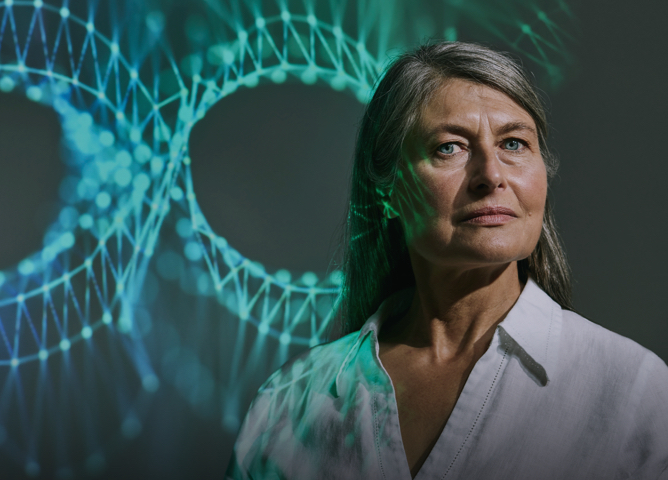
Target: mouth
490,216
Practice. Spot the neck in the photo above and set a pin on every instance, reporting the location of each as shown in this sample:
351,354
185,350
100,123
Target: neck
455,311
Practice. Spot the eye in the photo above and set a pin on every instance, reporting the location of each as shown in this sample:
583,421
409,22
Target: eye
512,144
449,148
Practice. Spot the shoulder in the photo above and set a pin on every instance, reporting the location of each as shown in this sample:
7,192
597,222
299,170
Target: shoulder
589,344
315,368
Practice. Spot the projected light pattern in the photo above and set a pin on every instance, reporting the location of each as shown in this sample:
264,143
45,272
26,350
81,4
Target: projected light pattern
73,334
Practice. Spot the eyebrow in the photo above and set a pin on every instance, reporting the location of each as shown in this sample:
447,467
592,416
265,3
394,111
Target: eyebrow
461,130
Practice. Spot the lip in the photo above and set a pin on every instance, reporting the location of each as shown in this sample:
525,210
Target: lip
493,215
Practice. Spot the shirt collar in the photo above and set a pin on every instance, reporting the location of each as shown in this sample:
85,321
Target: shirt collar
533,325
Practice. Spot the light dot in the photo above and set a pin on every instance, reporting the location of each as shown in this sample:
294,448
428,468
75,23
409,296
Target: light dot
157,165
243,36
86,332
278,76
285,338
309,279
285,16
311,20
67,240
337,31
133,74
6,84
526,29
65,345
283,276
34,93
26,267
103,200
14,362
260,22
64,12
150,383
38,3
43,354
176,194
123,177
193,251
263,329
9,3
106,138
120,115
141,182
106,318
114,47
86,221
88,263
20,298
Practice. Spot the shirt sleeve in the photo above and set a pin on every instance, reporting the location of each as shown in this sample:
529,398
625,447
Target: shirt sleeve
647,443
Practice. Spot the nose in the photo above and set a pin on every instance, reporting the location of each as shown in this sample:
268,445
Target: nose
487,172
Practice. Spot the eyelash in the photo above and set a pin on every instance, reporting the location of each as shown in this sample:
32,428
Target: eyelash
521,142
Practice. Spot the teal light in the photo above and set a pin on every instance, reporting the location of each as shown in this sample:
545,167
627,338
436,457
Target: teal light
127,103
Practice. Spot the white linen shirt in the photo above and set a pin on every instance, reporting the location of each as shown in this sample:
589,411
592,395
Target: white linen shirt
553,397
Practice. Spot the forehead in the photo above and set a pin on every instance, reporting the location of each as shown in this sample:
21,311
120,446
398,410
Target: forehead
470,104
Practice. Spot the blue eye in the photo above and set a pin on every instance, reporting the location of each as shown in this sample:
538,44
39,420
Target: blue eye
511,144
447,148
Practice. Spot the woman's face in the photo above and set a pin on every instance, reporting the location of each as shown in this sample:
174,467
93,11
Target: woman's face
472,185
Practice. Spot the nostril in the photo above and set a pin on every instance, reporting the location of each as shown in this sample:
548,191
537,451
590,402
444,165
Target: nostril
270,169
30,136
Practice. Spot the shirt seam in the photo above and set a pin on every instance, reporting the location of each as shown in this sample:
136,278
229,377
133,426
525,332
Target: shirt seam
475,422
377,434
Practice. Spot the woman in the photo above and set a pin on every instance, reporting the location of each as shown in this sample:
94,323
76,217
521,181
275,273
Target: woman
474,364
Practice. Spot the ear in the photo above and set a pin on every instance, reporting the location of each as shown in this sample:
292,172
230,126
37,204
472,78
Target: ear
386,203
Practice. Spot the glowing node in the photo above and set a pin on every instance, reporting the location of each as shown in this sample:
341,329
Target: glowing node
150,383
38,3
106,318
120,287
337,31
9,3
193,251
123,177
20,298
86,332
114,48
106,138
176,193
6,84
21,67
65,345
90,27
43,355
278,76
310,75
285,16
103,200
285,338
120,115
26,267
309,279
88,263
260,22
283,276
133,74
64,12
14,362
526,28
263,329
34,93
85,221
311,20
243,36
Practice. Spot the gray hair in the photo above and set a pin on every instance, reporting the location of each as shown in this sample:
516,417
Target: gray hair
376,262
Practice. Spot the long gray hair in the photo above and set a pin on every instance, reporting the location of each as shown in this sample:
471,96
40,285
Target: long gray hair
376,261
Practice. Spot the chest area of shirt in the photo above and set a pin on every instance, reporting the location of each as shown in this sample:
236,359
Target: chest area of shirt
426,394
